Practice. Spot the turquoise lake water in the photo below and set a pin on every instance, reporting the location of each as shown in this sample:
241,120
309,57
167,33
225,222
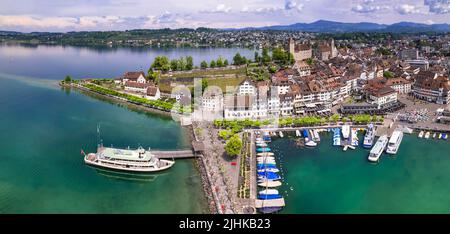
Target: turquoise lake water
327,180
43,128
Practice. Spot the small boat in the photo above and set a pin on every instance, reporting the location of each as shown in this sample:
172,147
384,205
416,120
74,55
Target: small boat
297,133
266,160
267,164
427,135
281,134
351,147
269,192
262,179
378,148
269,184
444,136
269,196
440,136
354,137
395,141
369,137
261,144
421,134
265,154
259,139
434,135
265,149
346,131
268,175
308,141
336,136
266,167
315,135
275,170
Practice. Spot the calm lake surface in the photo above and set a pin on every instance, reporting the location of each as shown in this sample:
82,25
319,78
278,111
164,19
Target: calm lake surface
327,180
43,128
55,62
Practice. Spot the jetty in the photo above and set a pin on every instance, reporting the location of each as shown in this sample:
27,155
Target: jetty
269,203
197,149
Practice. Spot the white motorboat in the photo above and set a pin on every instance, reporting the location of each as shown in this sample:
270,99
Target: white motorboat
269,184
281,134
421,134
269,192
427,135
265,154
346,131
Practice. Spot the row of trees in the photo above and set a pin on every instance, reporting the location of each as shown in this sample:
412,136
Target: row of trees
163,64
234,126
279,56
220,62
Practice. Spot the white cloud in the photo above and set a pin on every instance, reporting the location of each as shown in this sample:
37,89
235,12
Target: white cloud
438,6
367,8
221,8
405,9
36,22
293,5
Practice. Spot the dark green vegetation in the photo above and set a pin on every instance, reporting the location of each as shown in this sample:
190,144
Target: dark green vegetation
233,146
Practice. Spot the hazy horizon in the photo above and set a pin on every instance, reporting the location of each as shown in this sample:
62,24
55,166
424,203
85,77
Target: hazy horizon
120,15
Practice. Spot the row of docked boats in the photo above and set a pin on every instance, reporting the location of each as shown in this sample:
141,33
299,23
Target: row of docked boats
269,199
427,135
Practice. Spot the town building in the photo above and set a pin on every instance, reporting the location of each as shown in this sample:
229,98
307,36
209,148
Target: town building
300,51
138,77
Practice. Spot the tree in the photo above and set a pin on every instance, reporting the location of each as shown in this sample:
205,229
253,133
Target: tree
174,64
257,58
189,63
224,134
237,59
154,76
265,56
212,64
204,64
219,62
335,118
309,61
68,79
204,84
225,63
234,145
161,63
388,74
279,55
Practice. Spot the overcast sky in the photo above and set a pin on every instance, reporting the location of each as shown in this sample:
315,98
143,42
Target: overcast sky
76,15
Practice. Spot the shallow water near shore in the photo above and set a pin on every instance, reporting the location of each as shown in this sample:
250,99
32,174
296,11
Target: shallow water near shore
42,130
327,180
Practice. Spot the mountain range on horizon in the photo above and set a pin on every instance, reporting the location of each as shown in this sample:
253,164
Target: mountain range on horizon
325,26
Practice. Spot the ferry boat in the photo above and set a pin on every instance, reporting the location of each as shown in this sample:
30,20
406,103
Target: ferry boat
421,134
346,131
354,137
394,142
337,137
369,137
378,149
137,160
427,135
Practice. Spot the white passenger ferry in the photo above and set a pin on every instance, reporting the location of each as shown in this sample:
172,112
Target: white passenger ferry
394,142
378,149
137,160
